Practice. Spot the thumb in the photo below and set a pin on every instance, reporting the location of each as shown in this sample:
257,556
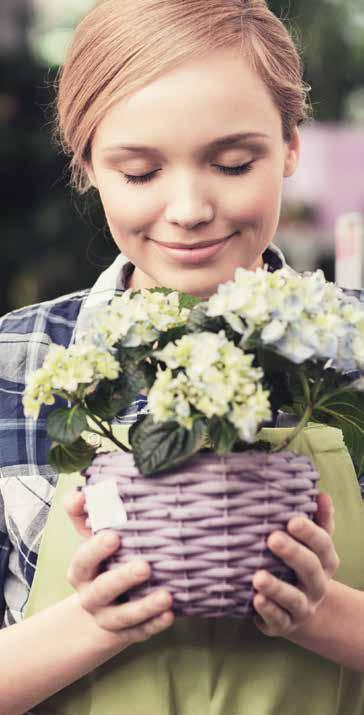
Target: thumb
74,503
325,515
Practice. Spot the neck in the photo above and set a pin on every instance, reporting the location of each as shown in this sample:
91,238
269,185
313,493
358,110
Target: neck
131,280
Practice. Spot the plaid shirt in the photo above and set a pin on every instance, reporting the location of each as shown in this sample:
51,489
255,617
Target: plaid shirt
27,482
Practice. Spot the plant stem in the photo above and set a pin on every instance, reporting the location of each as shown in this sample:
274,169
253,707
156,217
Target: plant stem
305,417
316,390
104,431
328,395
306,388
302,423
108,433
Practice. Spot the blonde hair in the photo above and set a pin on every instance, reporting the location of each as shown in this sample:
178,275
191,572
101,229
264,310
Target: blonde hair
122,45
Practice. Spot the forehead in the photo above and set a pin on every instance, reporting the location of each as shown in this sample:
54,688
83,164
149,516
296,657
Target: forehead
198,100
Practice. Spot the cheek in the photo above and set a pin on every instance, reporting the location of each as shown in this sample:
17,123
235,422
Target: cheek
124,210
119,212
259,201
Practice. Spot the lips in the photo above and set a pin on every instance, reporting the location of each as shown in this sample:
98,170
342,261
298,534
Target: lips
193,246
195,253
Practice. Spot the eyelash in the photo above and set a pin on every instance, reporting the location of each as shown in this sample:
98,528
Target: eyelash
229,170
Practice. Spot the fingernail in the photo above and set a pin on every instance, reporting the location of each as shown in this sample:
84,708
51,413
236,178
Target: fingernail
163,599
140,570
297,525
259,578
277,541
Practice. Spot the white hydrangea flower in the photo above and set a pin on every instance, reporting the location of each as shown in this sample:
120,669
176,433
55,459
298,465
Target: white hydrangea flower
167,399
273,331
208,374
65,371
138,319
301,317
37,393
248,416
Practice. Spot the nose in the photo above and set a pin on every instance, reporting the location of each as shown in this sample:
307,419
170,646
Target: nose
189,223
188,209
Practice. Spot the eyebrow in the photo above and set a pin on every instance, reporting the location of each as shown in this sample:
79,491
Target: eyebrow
228,140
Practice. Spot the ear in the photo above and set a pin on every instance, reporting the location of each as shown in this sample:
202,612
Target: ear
292,153
87,165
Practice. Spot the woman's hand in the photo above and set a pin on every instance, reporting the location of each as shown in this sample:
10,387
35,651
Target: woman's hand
132,621
281,607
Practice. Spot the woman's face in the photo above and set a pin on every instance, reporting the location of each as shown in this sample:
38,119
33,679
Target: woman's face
185,207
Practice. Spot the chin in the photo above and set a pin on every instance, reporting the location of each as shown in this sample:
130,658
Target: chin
196,287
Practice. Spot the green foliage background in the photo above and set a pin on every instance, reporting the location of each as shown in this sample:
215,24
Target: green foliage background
53,242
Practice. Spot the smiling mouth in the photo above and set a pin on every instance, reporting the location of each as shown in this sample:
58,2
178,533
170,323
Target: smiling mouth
194,254
194,246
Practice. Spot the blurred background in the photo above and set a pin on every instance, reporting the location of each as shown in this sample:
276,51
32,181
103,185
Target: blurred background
54,242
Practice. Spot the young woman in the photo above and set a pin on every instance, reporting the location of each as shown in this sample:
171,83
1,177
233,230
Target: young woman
184,117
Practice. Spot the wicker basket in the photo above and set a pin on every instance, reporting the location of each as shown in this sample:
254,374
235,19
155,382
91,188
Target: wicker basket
203,527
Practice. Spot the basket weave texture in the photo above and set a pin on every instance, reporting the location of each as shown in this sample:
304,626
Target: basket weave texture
203,527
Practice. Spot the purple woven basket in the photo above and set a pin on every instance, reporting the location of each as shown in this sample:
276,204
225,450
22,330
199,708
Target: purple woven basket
203,527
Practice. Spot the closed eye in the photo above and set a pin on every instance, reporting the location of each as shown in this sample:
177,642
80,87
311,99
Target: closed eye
230,170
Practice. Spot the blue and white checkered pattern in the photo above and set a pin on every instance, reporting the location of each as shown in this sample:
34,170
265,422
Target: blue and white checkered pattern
27,482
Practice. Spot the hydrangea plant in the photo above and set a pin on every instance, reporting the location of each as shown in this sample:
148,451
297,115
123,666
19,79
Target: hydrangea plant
214,371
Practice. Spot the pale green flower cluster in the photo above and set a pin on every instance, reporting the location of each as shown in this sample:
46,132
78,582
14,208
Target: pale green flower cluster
301,317
65,371
139,318
207,373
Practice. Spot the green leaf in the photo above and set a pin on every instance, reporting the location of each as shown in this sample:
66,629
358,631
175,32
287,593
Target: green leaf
198,321
134,377
66,424
71,458
286,388
345,409
161,445
135,355
186,300
170,336
110,398
273,363
280,378
138,368
222,434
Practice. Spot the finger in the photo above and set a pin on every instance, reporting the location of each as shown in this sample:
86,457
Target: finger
325,515
106,587
74,503
271,620
133,613
150,628
304,563
316,539
284,595
85,565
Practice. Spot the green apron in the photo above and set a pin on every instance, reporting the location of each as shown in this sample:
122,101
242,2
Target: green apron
223,666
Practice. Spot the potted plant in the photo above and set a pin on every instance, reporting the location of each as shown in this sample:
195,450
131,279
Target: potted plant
198,492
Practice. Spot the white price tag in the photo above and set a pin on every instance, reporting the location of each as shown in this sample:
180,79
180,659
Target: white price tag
105,507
